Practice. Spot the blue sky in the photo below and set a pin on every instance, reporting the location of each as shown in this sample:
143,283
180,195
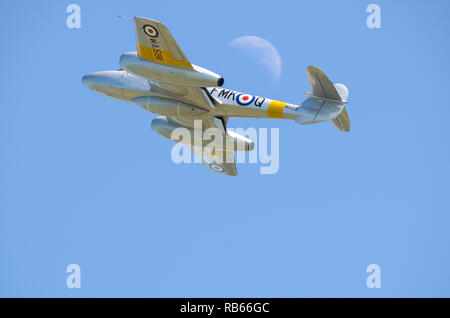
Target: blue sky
84,179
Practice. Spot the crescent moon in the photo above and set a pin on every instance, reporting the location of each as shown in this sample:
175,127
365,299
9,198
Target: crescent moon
266,53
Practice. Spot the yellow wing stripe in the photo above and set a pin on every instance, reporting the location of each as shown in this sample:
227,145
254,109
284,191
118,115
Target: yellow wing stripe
275,109
159,56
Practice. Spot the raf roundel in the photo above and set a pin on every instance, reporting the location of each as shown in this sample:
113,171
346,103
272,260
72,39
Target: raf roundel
151,31
216,167
245,99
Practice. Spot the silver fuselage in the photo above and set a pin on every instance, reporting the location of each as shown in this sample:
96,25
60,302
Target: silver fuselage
126,86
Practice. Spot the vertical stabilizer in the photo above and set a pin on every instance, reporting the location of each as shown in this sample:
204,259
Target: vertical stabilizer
321,86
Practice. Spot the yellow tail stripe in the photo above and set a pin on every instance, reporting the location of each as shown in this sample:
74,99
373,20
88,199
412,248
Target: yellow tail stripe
159,56
275,109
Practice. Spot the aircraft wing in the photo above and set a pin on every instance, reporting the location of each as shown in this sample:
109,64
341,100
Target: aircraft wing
207,121
156,44
196,96
220,161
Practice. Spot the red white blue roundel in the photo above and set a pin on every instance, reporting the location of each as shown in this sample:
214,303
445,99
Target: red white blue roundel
150,31
216,167
244,99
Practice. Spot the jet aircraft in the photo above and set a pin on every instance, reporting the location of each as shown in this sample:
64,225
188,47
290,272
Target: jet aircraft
159,78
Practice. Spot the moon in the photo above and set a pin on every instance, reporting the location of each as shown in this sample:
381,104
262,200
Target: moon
266,53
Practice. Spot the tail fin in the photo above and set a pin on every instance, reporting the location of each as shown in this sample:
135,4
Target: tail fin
342,122
323,88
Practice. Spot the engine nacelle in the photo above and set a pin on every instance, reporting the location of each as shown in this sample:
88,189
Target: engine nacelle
198,77
167,107
233,141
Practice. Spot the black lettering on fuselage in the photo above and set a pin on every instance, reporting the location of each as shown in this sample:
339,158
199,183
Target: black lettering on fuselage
259,101
232,93
224,93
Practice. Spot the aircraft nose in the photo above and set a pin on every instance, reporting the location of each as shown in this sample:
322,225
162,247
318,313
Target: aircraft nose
88,80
